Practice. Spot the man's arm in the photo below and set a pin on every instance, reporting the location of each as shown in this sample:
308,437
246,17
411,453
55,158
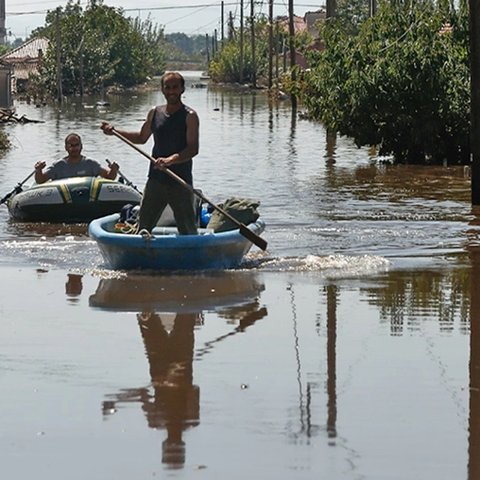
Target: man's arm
40,177
139,137
110,173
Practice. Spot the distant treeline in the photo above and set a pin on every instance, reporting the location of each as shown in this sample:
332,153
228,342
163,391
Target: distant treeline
186,49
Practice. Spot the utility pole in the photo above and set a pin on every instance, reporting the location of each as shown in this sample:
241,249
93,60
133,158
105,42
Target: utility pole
291,31
58,58
81,68
332,8
276,43
3,31
222,16
372,7
332,134
252,39
241,43
270,43
207,48
475,98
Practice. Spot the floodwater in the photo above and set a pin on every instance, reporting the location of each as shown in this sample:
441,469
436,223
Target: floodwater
348,350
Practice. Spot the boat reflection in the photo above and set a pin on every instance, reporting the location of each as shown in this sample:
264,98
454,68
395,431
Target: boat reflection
176,293
170,308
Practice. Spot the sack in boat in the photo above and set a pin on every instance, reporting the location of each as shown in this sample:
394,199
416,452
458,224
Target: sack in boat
128,221
241,209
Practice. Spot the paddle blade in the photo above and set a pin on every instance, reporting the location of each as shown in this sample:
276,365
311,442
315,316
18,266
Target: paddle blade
5,198
8,195
253,237
17,189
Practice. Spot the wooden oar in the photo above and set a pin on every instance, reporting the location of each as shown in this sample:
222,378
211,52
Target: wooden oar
124,178
244,230
16,189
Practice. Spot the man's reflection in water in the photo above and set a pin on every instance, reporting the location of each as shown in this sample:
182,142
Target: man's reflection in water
175,402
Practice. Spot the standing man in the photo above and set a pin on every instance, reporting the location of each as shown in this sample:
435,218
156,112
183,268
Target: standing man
74,164
175,129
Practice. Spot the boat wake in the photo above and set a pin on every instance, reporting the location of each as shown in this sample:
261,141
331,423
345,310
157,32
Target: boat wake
80,252
331,266
65,251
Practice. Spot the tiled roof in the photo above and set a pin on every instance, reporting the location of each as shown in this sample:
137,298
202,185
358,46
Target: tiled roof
29,50
299,24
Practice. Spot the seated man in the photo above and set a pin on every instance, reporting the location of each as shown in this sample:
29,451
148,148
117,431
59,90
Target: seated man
74,164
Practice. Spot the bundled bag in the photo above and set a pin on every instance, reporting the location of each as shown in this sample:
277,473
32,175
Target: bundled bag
242,209
128,221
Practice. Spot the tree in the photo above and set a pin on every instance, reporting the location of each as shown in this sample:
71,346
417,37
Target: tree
225,67
182,48
401,82
98,47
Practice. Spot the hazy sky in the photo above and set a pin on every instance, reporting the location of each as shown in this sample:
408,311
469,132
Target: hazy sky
187,16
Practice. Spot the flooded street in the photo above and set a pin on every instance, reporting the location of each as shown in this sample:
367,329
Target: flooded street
348,350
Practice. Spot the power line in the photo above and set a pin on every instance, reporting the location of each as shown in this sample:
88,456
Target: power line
151,9
138,9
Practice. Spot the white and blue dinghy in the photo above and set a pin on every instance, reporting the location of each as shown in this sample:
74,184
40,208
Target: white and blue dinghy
222,246
164,249
71,200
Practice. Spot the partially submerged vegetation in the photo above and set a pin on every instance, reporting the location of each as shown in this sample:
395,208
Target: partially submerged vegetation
400,82
5,143
97,48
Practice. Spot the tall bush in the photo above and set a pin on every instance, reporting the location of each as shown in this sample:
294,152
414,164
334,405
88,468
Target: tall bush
98,47
402,82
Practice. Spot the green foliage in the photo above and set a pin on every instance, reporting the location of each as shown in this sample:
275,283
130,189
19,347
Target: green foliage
225,67
5,143
183,51
351,14
4,49
400,83
185,47
98,47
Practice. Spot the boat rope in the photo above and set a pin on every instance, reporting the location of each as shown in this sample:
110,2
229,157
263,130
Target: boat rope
126,227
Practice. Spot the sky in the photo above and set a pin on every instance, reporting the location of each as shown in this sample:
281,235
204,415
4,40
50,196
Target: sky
186,16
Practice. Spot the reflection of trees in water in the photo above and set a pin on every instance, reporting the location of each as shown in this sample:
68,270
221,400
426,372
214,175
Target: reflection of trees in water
405,296
401,182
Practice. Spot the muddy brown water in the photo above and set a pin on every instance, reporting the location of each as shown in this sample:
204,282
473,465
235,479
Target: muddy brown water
347,350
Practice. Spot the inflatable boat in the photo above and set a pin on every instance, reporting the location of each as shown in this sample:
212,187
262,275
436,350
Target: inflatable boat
71,200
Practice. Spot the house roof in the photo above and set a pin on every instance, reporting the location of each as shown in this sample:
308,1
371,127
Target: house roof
305,23
299,24
26,51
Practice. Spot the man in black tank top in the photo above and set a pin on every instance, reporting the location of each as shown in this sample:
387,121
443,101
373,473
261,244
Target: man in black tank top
175,129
